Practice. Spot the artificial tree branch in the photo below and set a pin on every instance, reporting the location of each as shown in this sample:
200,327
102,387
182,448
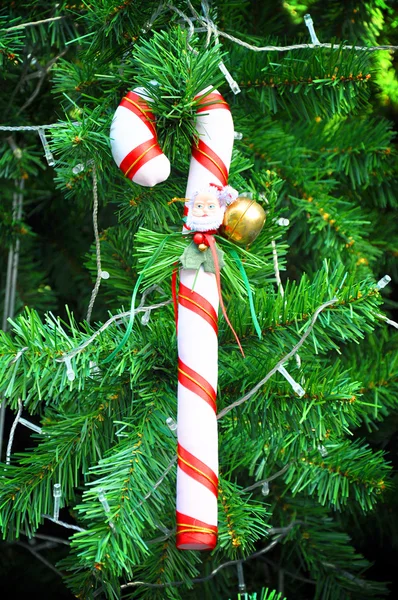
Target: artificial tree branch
284,359
43,72
282,532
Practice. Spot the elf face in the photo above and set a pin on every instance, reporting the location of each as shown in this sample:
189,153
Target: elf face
206,213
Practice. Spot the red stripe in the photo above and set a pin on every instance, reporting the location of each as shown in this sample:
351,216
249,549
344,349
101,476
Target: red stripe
210,161
207,541
196,384
212,101
206,477
141,109
139,157
181,518
198,305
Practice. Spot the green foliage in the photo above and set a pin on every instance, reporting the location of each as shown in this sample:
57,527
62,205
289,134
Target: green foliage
346,465
180,75
326,550
306,83
11,40
265,595
314,145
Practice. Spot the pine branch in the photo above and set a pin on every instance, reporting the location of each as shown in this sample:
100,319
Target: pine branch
67,446
338,80
347,465
326,551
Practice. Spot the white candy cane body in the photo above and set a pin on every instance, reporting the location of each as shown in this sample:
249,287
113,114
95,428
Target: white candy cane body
197,470
134,142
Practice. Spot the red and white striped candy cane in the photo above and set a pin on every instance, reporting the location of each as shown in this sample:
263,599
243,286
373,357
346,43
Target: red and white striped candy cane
134,141
137,153
197,470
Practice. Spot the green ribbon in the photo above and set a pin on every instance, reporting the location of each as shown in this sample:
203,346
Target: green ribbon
256,324
235,256
134,296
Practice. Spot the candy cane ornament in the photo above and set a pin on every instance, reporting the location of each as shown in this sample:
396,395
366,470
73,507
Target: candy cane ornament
197,468
137,153
134,144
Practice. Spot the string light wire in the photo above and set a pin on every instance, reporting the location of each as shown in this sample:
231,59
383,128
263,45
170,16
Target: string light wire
296,386
208,24
35,127
293,351
12,432
281,533
388,321
271,478
63,524
114,319
97,245
34,23
11,281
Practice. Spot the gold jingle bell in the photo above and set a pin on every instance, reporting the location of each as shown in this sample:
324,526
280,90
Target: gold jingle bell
243,221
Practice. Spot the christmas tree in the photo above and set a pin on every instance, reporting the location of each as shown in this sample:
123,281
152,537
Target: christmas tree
88,347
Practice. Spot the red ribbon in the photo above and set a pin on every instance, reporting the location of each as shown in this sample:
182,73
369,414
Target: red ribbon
212,243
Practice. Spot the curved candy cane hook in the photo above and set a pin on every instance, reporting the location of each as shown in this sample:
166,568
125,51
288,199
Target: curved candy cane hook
134,144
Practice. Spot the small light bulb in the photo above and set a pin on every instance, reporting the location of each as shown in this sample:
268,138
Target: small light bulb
231,81
383,282
241,578
78,169
30,425
283,222
103,500
17,152
171,424
57,493
310,24
95,371
296,386
265,488
145,317
299,390
105,275
322,450
47,152
71,375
